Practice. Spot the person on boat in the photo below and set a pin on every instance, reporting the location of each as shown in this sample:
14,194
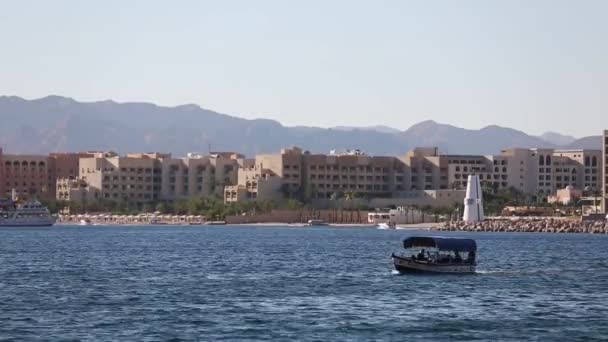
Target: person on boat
457,257
471,257
421,255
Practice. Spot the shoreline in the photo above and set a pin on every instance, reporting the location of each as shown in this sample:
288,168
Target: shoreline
416,226
496,224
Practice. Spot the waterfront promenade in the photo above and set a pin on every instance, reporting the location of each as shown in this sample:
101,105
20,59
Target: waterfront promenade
502,224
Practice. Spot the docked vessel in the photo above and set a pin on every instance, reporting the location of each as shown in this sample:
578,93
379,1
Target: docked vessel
25,214
398,216
386,225
317,223
85,222
437,255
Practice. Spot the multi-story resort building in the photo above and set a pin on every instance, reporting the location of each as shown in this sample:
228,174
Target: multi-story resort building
64,166
322,178
36,175
2,179
198,175
605,170
27,175
112,177
539,172
149,177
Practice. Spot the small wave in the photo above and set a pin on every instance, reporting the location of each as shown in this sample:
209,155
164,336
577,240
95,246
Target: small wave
537,271
497,272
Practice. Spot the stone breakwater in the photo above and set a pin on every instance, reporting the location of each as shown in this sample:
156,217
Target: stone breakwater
528,226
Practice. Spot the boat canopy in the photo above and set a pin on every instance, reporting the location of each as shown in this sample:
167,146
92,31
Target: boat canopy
441,243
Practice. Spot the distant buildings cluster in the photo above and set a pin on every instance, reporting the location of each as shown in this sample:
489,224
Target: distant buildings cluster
421,176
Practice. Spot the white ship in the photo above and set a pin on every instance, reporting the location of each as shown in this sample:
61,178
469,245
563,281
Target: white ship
26,214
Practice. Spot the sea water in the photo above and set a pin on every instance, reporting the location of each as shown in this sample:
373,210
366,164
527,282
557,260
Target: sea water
285,284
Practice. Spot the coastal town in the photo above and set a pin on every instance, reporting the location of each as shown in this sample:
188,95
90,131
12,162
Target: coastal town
303,171
150,186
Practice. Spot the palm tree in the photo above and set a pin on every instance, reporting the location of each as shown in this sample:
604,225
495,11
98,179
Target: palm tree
595,193
349,197
540,196
487,188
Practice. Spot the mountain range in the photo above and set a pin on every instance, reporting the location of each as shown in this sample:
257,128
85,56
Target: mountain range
56,123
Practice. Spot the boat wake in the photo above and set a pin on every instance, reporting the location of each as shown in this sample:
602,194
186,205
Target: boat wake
550,271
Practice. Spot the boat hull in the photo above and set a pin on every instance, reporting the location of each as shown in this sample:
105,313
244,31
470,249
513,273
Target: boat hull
408,265
26,214
38,223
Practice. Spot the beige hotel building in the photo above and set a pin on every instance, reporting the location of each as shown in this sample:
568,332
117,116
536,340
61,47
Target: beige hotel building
538,172
147,177
605,170
423,171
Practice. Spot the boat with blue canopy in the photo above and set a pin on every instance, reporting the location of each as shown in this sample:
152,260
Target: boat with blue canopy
437,255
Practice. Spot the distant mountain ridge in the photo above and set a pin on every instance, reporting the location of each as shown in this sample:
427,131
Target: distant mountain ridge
558,139
377,128
56,123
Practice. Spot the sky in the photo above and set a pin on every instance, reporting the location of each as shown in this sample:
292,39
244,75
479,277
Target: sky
532,65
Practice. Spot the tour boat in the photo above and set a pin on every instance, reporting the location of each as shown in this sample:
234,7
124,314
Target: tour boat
436,255
26,214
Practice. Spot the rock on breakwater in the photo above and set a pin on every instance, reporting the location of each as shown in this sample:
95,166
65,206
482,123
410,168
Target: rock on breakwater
540,225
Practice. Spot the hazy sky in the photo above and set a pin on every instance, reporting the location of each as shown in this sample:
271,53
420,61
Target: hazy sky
530,65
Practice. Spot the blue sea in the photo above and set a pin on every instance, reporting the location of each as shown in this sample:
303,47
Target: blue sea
292,284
